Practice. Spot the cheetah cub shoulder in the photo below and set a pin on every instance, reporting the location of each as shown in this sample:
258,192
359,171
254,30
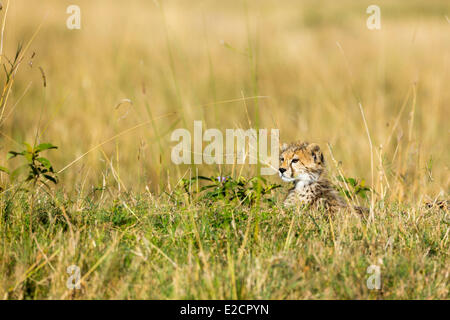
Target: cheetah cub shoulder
303,164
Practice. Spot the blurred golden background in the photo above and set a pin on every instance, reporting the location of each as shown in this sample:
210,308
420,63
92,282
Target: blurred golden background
311,61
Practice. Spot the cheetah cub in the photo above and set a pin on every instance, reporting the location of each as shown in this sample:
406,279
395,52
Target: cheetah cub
303,164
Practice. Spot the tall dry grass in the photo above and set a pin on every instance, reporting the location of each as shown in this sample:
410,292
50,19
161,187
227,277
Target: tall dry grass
314,62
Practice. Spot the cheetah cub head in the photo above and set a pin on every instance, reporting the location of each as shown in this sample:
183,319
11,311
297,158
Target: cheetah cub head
301,161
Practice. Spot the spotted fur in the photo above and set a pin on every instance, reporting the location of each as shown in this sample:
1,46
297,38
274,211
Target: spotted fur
303,164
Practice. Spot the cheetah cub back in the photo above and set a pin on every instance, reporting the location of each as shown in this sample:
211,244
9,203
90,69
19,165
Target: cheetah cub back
303,164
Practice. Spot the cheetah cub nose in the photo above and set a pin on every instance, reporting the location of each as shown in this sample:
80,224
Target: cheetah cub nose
282,170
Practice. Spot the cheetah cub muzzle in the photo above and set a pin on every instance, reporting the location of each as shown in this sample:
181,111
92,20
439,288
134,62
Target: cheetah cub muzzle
303,164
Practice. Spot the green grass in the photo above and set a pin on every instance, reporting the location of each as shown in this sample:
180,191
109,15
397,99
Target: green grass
139,247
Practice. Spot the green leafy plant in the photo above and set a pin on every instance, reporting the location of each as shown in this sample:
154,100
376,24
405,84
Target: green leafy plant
227,188
39,168
356,188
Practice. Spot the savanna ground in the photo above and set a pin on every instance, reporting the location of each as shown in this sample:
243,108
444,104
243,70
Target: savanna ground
377,101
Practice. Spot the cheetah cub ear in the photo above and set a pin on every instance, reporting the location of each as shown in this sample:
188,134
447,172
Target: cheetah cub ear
316,153
283,147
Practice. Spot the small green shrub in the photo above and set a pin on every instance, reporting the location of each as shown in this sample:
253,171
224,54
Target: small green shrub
229,189
356,188
39,168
